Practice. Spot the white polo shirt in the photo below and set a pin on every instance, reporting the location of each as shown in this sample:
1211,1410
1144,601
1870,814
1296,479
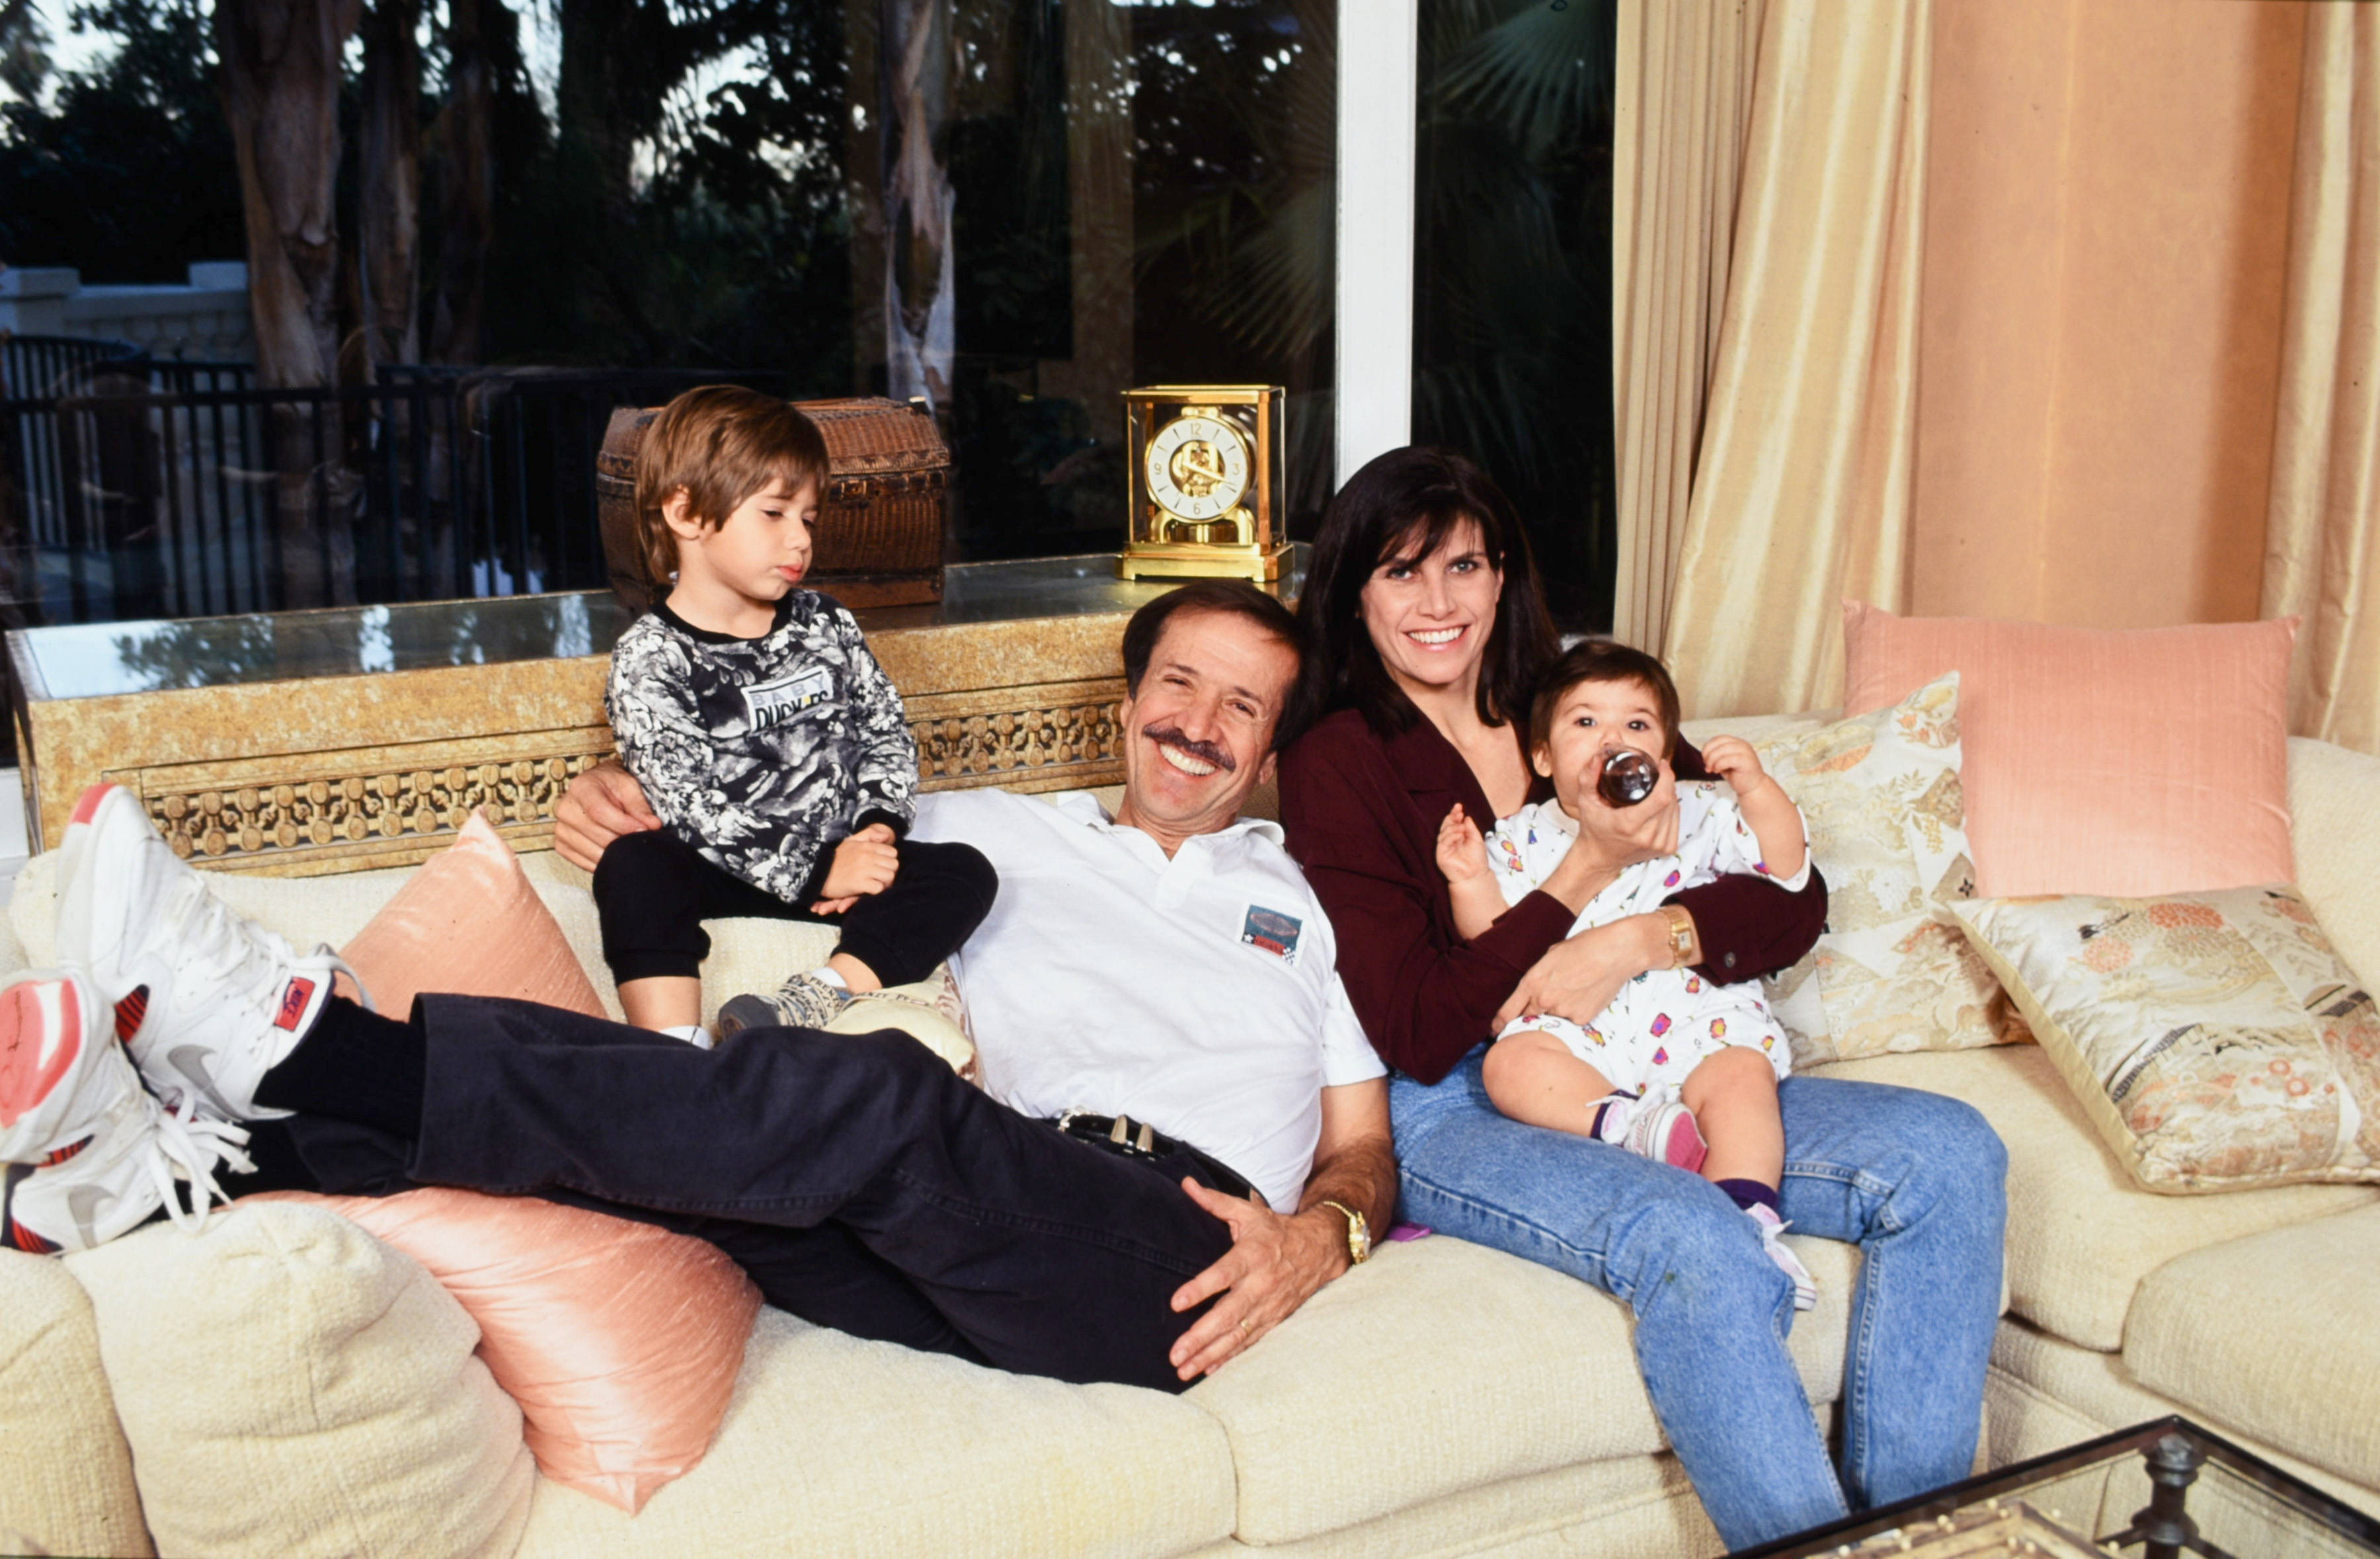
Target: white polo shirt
1199,993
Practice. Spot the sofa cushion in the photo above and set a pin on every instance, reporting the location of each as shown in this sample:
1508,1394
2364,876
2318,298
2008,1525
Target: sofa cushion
834,1446
2081,1235
1440,1365
2140,762
69,1486
2337,832
290,1387
2274,1335
2215,1040
1880,794
2042,1394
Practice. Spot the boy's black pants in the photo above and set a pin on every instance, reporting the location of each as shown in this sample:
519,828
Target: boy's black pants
653,891
860,1181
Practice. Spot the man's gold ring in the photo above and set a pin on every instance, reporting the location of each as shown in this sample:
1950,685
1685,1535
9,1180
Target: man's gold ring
1245,1326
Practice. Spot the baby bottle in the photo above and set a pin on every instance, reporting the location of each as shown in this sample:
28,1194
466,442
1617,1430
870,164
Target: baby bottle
1628,777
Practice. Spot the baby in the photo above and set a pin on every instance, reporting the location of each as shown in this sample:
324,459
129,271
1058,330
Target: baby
1677,1068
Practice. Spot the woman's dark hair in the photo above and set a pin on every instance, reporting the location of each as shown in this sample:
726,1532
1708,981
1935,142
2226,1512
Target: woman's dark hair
1604,660
1404,505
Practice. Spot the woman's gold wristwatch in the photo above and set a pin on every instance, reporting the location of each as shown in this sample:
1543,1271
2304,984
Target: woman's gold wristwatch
1359,1233
1682,934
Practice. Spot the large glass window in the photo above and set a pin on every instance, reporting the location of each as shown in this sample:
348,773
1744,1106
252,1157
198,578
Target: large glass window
1512,271
1016,209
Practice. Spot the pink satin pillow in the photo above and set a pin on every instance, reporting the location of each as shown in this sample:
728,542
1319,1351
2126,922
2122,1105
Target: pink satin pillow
469,923
2132,763
620,1341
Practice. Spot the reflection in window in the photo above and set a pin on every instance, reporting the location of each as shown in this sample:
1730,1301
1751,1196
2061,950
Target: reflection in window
1512,271
1052,201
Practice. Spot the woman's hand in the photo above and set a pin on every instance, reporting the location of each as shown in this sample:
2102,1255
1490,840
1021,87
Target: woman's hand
601,805
1612,839
1577,978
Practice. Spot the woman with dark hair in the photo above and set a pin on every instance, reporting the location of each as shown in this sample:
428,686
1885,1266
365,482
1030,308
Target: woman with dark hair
1425,632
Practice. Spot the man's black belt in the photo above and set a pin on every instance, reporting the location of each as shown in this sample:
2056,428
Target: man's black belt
1130,1138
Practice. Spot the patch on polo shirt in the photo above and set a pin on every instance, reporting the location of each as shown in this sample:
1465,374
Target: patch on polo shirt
1271,932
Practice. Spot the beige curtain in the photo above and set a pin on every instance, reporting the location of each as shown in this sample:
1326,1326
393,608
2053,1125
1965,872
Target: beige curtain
2322,557
1802,488
1683,106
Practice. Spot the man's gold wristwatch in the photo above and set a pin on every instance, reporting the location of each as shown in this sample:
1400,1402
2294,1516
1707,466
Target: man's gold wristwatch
1359,1233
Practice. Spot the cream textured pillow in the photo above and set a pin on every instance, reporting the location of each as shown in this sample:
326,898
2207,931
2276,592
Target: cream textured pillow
68,1479
291,1387
1882,797
2214,1038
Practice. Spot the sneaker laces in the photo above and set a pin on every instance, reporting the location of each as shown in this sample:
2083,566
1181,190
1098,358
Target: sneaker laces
187,1146
242,953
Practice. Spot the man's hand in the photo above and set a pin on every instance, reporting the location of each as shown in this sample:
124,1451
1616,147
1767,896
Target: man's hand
1577,978
1275,1265
601,805
864,863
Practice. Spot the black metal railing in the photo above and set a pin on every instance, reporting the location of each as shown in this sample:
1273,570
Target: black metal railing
137,489
49,365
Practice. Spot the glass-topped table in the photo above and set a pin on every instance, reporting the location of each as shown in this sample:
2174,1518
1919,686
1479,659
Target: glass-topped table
332,739
2158,1491
96,660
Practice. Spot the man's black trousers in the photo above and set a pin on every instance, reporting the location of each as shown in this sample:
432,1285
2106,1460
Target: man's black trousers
653,891
860,1181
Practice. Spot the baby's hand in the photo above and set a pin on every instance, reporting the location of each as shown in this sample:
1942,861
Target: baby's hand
1461,853
1732,759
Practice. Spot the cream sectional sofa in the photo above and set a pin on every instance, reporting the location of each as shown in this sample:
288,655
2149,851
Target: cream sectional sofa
1443,1399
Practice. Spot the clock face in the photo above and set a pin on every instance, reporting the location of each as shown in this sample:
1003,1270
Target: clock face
1198,468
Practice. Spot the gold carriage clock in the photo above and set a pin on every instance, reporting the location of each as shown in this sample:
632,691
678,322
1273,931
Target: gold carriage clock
1205,482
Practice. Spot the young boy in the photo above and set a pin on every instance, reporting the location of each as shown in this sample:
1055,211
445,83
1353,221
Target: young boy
1676,1069
767,739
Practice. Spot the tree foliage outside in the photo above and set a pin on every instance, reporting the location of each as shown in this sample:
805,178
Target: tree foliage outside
1139,194
126,172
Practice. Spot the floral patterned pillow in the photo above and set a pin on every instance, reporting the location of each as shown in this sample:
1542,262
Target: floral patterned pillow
1880,792
2216,1040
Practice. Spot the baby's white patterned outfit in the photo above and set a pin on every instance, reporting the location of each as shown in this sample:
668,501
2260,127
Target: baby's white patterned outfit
1664,1022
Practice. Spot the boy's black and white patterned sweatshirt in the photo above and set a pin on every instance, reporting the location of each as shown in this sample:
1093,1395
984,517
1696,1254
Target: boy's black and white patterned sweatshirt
763,753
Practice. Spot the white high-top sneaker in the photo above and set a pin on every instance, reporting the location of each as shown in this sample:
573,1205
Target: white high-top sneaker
86,1152
219,1000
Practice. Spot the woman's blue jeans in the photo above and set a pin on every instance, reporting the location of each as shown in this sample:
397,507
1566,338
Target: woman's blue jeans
1913,1178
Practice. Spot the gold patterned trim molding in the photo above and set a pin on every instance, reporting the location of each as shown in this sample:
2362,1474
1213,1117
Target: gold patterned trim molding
1055,737
313,813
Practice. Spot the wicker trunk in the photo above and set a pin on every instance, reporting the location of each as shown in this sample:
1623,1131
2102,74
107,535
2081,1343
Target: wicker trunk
879,541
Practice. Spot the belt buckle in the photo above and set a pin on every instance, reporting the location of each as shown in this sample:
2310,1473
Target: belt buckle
1142,1143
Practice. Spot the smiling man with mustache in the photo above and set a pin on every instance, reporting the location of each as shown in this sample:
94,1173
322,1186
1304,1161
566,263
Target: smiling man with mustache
1181,1133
